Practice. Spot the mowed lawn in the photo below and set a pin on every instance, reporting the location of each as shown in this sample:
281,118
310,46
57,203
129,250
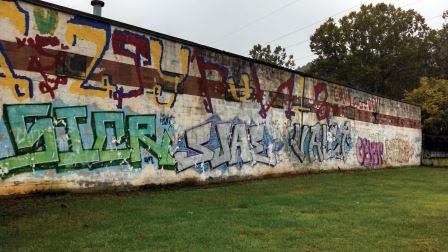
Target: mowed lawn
399,209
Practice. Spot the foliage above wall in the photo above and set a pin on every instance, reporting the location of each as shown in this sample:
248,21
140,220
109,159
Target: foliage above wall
432,97
440,52
381,48
278,56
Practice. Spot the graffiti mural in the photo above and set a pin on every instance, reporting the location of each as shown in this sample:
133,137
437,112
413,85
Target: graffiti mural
369,153
370,104
217,144
398,150
87,101
321,142
20,86
46,20
49,84
32,130
80,31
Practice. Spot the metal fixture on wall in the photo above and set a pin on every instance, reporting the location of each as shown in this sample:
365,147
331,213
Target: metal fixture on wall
97,7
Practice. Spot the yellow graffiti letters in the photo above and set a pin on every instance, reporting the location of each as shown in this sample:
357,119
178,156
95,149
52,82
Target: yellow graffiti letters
97,36
398,150
240,93
170,78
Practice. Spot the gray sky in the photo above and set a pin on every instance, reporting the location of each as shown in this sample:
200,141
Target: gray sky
236,25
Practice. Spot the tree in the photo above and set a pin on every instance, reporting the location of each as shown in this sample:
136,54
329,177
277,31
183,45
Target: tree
305,68
380,48
440,52
277,57
432,97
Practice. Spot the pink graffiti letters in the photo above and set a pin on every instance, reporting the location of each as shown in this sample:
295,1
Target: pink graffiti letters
369,153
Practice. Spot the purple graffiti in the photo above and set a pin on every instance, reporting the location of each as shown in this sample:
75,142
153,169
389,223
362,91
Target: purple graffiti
369,154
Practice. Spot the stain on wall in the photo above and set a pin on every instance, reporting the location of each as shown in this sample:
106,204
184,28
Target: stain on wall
88,105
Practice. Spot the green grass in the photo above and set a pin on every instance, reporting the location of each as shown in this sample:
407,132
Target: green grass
438,162
400,209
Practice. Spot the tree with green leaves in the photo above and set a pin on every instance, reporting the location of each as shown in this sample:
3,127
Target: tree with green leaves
278,56
432,96
380,48
440,52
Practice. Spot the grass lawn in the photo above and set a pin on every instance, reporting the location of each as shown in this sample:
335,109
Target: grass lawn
438,162
376,210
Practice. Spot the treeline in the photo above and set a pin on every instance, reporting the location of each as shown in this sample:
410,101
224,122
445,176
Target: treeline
381,48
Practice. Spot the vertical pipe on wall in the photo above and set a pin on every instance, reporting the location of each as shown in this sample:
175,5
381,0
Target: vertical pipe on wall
97,7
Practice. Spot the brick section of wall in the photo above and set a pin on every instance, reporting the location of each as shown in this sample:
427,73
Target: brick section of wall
125,75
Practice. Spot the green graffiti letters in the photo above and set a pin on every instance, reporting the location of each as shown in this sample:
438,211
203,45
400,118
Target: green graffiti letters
139,130
46,20
32,129
70,118
111,120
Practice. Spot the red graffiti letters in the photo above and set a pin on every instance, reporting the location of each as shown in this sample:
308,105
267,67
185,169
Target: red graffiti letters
321,96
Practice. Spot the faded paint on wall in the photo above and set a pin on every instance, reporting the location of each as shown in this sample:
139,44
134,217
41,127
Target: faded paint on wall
146,110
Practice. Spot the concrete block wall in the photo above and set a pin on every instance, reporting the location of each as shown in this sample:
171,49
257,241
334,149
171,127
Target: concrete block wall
148,109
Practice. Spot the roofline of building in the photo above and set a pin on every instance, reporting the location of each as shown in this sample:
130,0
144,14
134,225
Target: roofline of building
194,44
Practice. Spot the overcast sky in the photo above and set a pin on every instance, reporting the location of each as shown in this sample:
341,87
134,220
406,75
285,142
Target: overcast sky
236,25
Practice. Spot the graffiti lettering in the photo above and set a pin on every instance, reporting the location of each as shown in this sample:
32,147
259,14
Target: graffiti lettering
121,40
366,103
32,132
321,96
20,86
46,20
320,142
49,84
170,78
341,94
242,91
288,85
369,154
97,33
222,144
398,150
117,98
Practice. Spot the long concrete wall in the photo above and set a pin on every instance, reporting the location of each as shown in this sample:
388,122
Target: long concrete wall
92,104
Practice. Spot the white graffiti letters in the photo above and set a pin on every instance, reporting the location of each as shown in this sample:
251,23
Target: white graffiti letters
222,144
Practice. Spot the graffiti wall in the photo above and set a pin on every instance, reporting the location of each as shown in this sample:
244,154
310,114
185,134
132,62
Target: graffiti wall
89,104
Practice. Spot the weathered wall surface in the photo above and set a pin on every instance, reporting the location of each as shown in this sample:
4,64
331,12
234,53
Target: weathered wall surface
88,105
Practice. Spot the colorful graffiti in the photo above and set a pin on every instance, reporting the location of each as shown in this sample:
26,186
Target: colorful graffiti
246,89
46,20
49,84
146,51
217,144
240,85
369,153
32,129
321,142
398,150
342,95
20,86
370,104
321,95
80,30
81,93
